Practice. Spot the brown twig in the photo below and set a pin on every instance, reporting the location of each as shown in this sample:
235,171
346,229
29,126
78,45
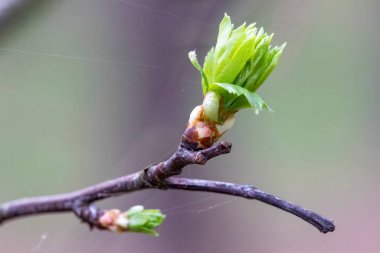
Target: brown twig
250,192
79,201
157,176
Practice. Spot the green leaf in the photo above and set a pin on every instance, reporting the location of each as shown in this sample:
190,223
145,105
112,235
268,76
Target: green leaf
260,35
242,57
261,49
259,63
144,220
234,42
239,94
240,102
277,51
148,231
225,29
236,62
208,66
244,73
194,61
137,220
230,88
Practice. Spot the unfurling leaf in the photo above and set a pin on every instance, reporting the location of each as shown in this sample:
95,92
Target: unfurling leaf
194,61
235,68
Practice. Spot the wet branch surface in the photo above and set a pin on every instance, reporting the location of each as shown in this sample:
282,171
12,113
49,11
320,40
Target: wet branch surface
159,176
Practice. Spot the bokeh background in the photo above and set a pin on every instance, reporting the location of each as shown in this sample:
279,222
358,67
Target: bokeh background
95,89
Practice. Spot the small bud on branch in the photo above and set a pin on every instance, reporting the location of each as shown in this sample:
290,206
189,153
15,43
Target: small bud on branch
136,219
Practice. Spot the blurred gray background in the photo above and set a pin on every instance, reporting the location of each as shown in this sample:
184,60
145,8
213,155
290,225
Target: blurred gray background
95,89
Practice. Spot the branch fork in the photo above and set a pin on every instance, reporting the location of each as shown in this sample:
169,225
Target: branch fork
158,176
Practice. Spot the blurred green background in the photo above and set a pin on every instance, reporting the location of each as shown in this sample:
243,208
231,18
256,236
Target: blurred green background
95,89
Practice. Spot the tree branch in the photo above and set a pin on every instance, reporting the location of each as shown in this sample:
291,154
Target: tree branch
79,201
250,192
157,176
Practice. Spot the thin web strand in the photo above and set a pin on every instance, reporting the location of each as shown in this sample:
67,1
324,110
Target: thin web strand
82,58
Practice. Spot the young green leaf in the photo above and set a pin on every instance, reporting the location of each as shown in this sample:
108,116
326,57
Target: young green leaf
236,63
234,42
277,51
252,99
144,220
194,61
208,67
235,68
225,29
